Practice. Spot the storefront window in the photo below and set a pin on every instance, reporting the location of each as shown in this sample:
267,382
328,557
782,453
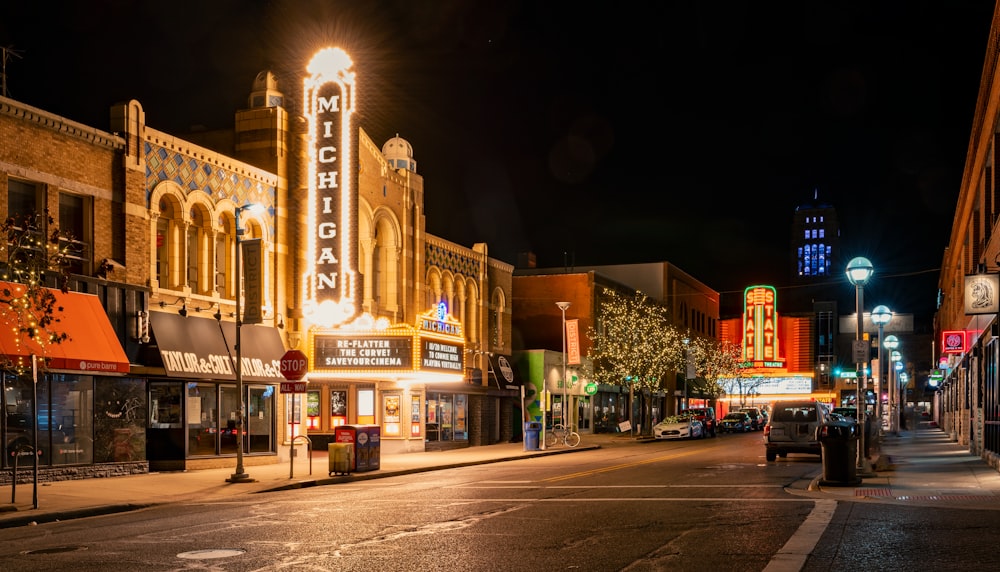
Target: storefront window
81,419
66,420
260,418
19,426
447,415
165,406
229,407
202,417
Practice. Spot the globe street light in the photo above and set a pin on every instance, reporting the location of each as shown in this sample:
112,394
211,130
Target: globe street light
904,381
897,403
240,476
891,343
881,315
565,412
859,270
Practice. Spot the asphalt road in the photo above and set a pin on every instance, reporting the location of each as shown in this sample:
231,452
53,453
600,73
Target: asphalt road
712,504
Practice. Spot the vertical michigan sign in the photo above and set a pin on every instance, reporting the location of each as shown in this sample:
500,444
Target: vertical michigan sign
330,282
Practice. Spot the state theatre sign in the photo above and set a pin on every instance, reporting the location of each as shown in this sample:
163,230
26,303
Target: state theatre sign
434,347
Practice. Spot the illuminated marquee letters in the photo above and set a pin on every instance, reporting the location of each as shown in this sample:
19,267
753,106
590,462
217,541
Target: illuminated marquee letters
760,327
330,283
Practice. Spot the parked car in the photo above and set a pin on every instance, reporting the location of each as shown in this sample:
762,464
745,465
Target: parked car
848,412
757,417
793,428
736,422
707,416
679,427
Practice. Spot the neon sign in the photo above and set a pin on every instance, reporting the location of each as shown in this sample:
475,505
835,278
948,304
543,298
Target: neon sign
760,327
330,282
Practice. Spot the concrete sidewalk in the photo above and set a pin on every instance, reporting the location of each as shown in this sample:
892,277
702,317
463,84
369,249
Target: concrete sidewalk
923,466
919,466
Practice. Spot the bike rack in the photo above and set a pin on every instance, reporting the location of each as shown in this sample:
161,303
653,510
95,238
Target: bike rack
291,462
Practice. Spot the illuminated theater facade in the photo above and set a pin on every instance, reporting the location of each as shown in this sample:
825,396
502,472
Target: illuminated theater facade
403,330
778,353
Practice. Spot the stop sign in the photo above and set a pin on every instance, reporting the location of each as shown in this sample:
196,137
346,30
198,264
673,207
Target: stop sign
294,365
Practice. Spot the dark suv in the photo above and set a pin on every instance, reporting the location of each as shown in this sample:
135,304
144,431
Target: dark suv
707,416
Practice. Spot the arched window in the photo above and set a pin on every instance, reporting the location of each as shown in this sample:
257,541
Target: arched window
169,267
199,251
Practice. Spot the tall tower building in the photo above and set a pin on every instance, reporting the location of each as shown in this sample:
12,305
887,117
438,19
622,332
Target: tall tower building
815,242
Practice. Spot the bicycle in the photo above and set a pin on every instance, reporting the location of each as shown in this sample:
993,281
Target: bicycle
559,433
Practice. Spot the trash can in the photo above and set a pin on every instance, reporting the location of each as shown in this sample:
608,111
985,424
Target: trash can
839,444
531,431
341,458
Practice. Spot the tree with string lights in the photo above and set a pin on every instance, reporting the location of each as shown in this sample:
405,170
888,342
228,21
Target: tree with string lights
717,363
34,254
635,346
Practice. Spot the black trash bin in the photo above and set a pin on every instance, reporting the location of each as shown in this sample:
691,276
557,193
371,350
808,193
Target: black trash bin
839,443
531,432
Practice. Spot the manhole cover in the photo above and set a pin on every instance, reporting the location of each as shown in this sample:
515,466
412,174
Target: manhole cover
210,553
55,550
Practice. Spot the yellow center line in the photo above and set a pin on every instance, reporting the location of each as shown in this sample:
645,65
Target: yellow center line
621,466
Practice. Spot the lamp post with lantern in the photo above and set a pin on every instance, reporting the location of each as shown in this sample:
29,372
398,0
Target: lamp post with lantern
565,406
240,475
859,271
881,315
891,343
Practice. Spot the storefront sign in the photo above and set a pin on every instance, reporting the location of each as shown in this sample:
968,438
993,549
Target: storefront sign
441,356
981,294
203,348
953,341
375,352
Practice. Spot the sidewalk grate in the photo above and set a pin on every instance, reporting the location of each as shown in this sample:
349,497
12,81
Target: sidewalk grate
873,492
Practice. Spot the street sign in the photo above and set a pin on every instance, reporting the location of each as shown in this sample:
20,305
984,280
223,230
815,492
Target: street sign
293,387
294,365
860,351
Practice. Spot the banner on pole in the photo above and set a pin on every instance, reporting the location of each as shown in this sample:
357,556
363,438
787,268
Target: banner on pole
573,341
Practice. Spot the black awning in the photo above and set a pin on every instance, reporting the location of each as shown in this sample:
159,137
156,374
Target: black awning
502,372
204,348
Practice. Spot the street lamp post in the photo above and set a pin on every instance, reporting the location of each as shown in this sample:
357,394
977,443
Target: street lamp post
859,270
881,315
240,475
891,343
565,412
904,380
684,397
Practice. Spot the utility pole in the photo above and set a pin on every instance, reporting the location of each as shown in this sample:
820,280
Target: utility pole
5,54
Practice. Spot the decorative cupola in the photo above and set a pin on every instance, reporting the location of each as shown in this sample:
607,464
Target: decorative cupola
265,91
399,153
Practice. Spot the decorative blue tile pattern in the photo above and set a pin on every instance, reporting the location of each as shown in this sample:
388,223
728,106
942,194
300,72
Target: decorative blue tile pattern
191,174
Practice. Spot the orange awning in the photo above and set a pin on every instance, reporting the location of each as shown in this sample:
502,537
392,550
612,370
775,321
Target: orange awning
91,347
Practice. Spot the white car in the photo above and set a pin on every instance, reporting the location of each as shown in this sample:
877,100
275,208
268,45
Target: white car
679,427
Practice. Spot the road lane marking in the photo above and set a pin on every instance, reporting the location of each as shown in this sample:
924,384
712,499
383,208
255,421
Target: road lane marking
618,467
792,556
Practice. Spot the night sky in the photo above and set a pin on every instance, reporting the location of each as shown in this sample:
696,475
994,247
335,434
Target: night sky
585,132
